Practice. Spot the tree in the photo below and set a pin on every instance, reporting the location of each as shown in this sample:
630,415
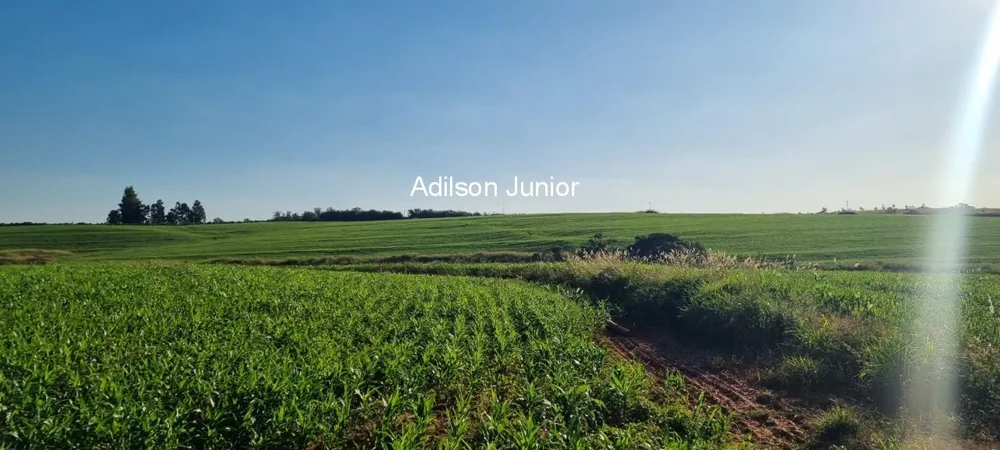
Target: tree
157,213
180,214
131,208
114,217
218,220
197,214
184,214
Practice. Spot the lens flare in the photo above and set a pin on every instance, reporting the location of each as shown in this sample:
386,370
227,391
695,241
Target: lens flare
931,386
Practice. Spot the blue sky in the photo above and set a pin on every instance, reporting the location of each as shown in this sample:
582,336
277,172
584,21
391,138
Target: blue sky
693,106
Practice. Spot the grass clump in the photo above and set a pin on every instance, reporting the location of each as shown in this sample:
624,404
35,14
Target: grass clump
795,373
840,427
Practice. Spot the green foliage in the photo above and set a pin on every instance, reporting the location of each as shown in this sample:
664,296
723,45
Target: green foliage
180,356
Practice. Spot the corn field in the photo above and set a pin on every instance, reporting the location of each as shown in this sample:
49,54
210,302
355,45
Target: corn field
184,356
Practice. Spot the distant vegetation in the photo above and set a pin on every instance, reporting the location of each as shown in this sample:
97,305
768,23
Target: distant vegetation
27,224
431,213
131,211
922,210
360,215
336,215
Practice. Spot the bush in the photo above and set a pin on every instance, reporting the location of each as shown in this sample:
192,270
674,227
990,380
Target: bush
597,245
657,244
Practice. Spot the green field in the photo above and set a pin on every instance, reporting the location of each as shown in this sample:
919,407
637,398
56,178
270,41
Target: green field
814,238
181,356
112,350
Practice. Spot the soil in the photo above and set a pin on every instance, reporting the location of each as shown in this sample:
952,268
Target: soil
771,420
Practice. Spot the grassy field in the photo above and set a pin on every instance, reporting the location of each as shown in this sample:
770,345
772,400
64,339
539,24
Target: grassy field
813,238
183,356
109,352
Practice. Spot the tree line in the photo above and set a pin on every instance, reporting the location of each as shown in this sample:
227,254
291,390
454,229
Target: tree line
131,211
922,210
361,215
336,215
432,213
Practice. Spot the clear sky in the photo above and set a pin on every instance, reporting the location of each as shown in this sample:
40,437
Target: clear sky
691,106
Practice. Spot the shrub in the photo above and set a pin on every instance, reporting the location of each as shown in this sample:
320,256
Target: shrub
657,244
597,245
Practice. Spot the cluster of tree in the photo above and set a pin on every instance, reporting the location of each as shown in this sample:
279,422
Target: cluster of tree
336,215
132,211
431,213
361,215
923,209
22,224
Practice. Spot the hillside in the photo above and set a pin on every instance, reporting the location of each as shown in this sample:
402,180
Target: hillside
814,238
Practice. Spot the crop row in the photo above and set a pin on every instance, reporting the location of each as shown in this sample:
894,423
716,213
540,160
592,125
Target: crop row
855,333
183,356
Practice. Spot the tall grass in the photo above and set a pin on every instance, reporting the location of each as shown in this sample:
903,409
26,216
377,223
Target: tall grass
690,257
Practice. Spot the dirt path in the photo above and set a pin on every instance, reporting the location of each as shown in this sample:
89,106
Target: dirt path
774,421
